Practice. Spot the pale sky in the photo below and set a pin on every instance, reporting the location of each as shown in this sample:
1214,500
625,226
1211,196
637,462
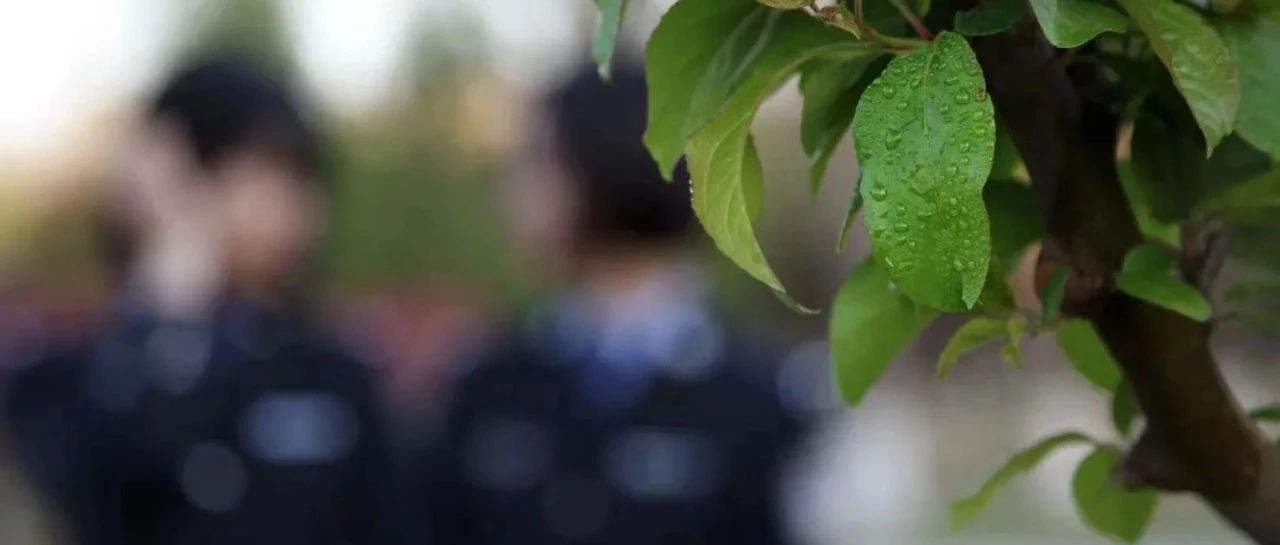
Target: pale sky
66,60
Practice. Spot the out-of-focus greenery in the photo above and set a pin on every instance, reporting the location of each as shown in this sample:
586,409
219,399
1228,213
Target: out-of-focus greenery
414,183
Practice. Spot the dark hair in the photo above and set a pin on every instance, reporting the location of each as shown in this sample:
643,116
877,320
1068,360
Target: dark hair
599,128
226,104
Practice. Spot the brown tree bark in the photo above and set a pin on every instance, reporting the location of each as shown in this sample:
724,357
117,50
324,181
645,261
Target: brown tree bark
1196,437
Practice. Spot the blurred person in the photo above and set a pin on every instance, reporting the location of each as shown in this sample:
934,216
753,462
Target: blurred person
208,407
624,410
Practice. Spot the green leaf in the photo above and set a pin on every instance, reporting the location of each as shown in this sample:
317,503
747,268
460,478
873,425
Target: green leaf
831,88
1072,23
1267,412
1088,355
855,204
1146,275
924,133
1147,259
1198,60
723,172
1104,505
974,333
1051,299
1140,204
607,34
1168,159
870,324
1255,46
1015,327
990,18
964,511
1123,409
1255,200
694,61
724,168
1235,161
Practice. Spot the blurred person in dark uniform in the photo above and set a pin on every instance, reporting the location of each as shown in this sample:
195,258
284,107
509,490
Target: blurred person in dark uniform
207,407
624,410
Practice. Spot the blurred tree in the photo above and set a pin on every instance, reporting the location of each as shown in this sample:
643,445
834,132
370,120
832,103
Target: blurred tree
415,193
250,28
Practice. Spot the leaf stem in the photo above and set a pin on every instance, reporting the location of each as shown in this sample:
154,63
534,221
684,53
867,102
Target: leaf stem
910,16
855,23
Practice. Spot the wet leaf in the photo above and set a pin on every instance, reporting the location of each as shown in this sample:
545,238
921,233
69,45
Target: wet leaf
924,133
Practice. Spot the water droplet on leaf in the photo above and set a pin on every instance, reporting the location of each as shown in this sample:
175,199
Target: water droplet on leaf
892,140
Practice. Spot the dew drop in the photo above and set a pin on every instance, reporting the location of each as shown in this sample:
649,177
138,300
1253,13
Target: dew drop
981,95
877,230
889,91
901,227
951,201
958,265
879,193
925,213
944,108
952,170
951,80
962,98
915,83
892,140
902,106
965,145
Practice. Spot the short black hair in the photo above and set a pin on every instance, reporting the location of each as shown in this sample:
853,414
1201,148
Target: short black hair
224,104
599,128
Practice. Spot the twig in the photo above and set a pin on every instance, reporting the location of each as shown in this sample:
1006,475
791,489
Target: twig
854,23
910,16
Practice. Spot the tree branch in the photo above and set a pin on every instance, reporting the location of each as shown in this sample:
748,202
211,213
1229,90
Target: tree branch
1197,438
